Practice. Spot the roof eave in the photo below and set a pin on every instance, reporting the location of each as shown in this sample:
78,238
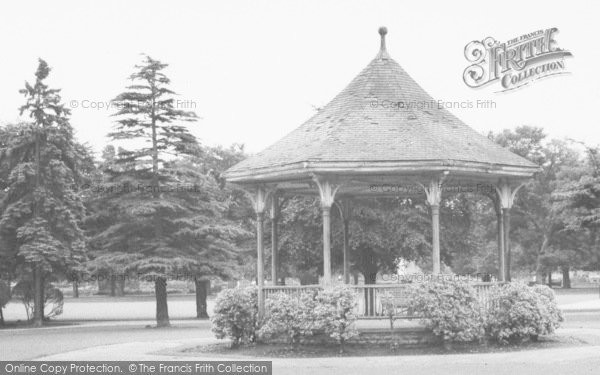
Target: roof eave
305,169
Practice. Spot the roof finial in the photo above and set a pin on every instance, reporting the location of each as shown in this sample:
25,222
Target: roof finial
382,32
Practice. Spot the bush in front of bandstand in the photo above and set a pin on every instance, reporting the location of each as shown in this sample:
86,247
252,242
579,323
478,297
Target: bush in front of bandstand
288,316
236,315
450,308
334,313
327,312
519,312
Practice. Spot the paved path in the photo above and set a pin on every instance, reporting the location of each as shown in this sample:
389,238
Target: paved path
568,360
100,338
577,360
30,343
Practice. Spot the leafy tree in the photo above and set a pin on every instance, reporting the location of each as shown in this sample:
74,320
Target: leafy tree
536,225
301,239
384,230
577,198
39,226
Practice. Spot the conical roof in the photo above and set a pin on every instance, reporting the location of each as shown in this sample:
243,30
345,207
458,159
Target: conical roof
382,119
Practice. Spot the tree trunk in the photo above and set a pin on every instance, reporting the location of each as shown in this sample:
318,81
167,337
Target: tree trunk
162,309
113,286
550,278
43,298
120,287
539,272
202,289
566,277
38,297
75,289
1,316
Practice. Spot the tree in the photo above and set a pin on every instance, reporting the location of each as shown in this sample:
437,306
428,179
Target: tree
41,211
467,232
234,216
107,264
577,198
536,225
146,213
301,240
384,230
207,234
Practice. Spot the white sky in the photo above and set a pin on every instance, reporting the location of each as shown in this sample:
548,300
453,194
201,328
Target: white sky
256,68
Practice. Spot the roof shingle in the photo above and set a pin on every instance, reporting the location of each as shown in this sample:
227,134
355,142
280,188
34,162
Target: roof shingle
382,115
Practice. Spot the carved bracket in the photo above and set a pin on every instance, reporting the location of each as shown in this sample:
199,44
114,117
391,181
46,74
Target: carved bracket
434,190
260,198
327,191
506,193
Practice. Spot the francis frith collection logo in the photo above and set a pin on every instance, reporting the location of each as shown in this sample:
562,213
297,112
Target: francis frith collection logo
514,63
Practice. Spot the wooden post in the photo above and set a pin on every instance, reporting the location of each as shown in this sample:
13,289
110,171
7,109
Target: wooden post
434,198
435,241
259,199
274,239
260,277
344,209
506,216
327,191
345,249
506,195
501,259
326,245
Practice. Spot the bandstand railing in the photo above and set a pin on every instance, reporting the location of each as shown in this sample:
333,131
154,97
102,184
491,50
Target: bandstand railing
374,301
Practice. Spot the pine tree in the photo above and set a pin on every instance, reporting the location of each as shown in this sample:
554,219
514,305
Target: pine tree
40,210
144,208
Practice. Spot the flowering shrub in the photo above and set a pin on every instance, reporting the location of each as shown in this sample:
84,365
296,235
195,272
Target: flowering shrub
449,308
235,315
521,312
334,313
288,316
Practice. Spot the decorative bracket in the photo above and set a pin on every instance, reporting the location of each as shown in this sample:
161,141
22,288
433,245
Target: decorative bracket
434,190
327,191
506,194
260,198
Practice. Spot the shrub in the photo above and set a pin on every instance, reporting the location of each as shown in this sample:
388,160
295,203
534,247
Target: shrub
288,316
334,313
53,298
449,308
235,315
521,312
